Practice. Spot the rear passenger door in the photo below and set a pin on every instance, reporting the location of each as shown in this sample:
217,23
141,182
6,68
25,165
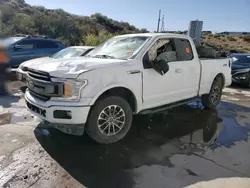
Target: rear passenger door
46,48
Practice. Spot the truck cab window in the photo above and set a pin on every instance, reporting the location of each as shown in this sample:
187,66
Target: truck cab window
162,50
184,50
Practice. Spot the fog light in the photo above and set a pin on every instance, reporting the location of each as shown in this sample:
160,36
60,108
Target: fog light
62,114
69,113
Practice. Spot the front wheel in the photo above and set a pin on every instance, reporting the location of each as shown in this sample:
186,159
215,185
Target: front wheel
212,99
109,120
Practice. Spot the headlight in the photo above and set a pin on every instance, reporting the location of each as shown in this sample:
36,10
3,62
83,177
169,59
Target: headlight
72,89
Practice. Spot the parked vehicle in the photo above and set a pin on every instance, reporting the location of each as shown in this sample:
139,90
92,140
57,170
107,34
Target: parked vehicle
241,69
73,51
126,75
21,49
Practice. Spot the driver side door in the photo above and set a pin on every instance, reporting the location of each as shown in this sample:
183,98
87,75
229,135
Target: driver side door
166,87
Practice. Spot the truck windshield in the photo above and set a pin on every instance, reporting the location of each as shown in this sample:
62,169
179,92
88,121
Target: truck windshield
119,47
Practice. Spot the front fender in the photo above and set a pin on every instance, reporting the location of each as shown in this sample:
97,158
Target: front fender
103,90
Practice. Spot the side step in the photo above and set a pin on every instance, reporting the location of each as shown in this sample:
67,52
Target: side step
168,106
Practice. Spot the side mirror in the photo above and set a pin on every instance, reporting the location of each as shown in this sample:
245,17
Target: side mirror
161,66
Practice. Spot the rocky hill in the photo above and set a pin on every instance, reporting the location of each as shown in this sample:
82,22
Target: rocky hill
19,17
234,44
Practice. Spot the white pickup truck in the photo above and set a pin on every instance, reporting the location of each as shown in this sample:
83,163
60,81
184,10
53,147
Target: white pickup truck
126,75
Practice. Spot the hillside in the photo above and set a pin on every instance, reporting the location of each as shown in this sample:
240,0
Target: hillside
229,43
19,17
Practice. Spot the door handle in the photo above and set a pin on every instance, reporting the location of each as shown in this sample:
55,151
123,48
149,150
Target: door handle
134,72
178,70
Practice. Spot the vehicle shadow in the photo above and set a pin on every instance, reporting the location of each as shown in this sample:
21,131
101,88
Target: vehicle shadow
95,165
238,87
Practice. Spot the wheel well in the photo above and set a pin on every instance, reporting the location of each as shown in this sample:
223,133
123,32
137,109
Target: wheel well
122,92
222,76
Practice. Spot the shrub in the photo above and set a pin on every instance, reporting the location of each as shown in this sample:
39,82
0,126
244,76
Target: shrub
246,38
95,40
216,36
230,38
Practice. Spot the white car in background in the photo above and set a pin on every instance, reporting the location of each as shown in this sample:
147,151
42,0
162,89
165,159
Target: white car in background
73,51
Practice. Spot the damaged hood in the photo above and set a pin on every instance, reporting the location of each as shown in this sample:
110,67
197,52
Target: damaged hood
71,67
29,62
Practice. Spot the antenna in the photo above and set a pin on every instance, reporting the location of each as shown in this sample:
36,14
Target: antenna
162,24
159,19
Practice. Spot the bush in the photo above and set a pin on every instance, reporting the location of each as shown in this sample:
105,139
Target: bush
19,17
246,38
231,38
247,49
95,40
216,36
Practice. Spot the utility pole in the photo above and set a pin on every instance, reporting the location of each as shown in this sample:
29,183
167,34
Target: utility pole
159,19
162,24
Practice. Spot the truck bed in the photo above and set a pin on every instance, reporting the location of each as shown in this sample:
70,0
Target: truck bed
210,69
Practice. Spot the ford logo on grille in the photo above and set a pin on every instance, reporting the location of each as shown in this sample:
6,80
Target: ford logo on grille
31,84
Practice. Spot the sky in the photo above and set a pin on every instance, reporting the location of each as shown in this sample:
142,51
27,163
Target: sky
217,15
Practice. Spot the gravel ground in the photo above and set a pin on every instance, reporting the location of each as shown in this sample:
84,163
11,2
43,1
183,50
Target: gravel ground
184,147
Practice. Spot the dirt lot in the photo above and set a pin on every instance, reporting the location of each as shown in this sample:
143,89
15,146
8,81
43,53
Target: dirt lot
184,147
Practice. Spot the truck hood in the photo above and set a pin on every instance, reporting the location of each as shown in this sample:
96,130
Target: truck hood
71,67
29,62
240,66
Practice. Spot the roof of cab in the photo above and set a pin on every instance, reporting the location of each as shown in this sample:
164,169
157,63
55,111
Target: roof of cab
154,35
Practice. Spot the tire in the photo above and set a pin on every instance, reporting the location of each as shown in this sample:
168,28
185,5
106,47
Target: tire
211,100
113,130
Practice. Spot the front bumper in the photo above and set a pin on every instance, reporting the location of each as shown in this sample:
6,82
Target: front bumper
58,113
241,77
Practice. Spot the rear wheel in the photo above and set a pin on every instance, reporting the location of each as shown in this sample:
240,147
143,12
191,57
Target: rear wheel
109,120
212,99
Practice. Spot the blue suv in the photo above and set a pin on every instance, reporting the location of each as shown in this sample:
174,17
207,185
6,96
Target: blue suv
21,49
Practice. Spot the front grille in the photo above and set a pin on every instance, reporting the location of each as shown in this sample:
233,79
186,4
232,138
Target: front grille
41,86
41,97
39,75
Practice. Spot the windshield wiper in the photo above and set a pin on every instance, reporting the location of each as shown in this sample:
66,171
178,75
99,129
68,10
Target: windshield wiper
104,56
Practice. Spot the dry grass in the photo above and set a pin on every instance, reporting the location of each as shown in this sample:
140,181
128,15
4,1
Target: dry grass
238,43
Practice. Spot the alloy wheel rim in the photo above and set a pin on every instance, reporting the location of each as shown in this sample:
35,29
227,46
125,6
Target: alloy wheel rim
111,120
215,95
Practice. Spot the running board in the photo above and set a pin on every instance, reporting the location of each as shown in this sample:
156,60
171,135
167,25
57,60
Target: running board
168,106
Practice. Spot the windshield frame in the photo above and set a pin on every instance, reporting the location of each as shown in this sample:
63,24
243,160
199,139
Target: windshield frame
132,56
